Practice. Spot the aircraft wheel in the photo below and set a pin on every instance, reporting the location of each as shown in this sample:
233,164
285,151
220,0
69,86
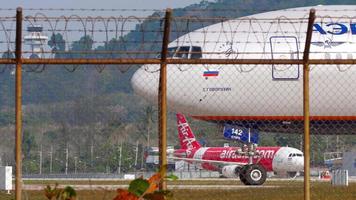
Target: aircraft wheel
292,175
222,176
254,175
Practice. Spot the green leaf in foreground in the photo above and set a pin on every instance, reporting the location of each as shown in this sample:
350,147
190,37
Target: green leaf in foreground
172,177
138,186
68,193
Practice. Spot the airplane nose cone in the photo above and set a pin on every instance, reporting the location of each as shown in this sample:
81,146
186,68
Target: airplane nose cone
300,163
145,82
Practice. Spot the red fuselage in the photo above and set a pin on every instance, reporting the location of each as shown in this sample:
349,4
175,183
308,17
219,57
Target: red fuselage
228,154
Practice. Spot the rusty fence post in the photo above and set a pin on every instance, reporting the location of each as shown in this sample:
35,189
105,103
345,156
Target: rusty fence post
162,99
306,110
18,105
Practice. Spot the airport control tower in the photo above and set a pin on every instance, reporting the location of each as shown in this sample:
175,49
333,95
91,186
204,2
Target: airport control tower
36,40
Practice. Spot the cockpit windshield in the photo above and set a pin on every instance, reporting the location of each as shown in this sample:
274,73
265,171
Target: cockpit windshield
171,51
183,52
295,155
196,52
191,52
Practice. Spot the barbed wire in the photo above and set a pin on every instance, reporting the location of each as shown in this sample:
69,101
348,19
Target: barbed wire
88,9
135,37
319,8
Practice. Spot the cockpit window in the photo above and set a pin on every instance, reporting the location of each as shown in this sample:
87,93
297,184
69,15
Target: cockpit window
196,52
183,52
193,52
295,155
171,51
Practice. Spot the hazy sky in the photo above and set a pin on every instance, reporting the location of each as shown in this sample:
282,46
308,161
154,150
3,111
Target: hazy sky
90,4
149,4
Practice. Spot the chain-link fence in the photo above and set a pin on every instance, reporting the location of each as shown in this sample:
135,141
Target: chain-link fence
90,92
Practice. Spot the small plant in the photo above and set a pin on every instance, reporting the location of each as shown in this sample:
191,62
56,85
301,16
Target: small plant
142,189
51,193
139,189
68,193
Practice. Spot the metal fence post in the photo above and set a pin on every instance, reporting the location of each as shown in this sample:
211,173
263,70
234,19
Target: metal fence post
306,110
18,107
163,101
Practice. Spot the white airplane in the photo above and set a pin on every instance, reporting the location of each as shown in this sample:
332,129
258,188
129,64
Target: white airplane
268,97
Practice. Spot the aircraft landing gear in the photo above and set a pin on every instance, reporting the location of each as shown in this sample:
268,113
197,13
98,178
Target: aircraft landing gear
253,174
292,175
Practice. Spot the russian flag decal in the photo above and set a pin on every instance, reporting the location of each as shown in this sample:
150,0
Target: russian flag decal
211,73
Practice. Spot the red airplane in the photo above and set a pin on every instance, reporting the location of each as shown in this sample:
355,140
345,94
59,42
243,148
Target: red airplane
250,165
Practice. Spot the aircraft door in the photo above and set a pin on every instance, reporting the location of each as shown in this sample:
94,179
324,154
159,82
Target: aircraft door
284,47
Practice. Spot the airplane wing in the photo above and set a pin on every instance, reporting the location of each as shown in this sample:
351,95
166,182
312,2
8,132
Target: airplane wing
209,161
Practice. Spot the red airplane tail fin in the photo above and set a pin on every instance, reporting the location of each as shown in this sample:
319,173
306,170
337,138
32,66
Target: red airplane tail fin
185,133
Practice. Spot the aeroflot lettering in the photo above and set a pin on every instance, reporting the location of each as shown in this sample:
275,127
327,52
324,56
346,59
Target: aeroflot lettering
226,154
335,28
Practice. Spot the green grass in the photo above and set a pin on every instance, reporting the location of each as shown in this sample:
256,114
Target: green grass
176,182
82,195
286,190
319,191
75,182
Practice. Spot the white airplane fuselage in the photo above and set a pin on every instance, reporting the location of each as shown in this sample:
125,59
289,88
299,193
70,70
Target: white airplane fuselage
252,93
